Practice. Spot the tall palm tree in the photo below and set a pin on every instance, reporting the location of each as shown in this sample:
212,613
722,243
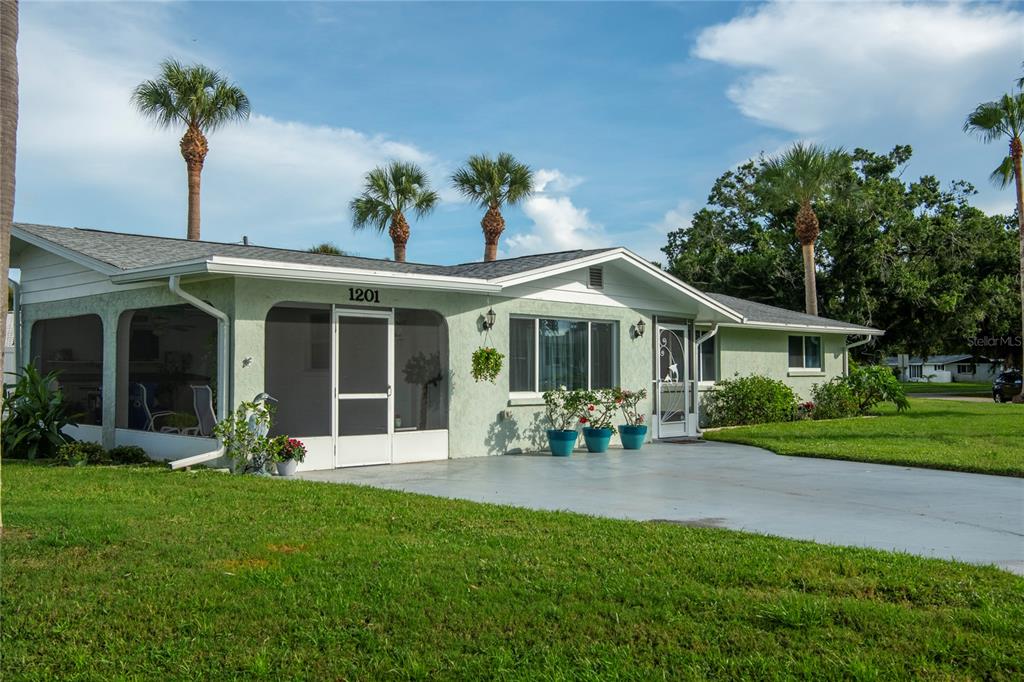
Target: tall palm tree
201,100
803,175
8,140
997,120
389,192
493,183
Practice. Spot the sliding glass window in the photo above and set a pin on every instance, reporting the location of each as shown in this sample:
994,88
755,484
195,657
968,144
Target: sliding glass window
547,353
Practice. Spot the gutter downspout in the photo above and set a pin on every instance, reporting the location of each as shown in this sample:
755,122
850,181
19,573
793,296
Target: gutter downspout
16,309
846,354
696,355
223,369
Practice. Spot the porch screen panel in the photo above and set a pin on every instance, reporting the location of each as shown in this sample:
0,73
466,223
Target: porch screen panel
73,347
604,363
521,355
421,370
297,370
563,354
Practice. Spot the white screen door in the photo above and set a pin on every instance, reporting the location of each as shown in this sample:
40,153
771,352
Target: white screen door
672,365
364,409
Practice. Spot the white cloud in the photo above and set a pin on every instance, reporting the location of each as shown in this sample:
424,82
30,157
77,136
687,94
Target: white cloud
815,66
676,217
279,181
558,224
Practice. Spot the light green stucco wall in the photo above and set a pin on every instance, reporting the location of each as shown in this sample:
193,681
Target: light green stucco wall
477,421
766,352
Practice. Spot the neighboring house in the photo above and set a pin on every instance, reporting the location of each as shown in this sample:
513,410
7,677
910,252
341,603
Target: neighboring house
369,360
945,368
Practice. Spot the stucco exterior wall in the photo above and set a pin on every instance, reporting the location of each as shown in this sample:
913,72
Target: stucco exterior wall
744,352
481,419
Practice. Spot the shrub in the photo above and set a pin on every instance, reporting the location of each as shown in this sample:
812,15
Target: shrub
563,408
129,454
873,384
834,400
629,401
597,408
34,414
244,435
79,453
750,400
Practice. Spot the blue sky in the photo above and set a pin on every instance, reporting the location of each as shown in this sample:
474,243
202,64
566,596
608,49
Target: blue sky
627,111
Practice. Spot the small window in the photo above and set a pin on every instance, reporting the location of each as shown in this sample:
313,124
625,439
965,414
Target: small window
937,368
914,371
596,278
707,366
963,369
805,352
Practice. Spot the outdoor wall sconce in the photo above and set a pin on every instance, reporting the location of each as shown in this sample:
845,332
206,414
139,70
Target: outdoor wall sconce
638,329
489,318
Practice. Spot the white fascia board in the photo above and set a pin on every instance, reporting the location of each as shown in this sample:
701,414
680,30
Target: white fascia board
620,254
243,267
801,327
63,252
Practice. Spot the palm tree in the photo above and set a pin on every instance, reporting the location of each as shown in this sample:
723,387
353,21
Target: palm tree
8,140
328,249
803,175
201,100
493,183
993,121
389,192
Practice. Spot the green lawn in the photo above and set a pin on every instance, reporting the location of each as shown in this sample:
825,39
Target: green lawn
141,573
938,434
961,388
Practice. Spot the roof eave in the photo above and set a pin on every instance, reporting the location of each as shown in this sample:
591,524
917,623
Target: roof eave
752,324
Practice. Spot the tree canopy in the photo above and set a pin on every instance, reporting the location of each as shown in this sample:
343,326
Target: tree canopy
912,257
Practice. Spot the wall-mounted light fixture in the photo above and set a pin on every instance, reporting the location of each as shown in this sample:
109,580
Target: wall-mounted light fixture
639,328
489,318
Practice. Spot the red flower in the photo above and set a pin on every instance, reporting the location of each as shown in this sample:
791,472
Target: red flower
591,408
583,420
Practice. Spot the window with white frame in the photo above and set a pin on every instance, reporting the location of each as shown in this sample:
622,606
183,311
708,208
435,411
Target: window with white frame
963,369
805,352
937,368
546,353
914,371
707,360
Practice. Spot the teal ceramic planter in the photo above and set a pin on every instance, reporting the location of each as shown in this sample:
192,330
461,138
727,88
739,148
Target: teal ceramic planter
633,436
597,439
562,442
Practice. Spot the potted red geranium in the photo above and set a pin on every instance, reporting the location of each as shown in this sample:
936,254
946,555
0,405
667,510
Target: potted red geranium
291,452
634,430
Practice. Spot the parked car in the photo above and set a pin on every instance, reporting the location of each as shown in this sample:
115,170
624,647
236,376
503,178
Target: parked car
1006,385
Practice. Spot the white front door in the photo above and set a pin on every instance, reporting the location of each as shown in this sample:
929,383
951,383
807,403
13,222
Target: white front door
671,404
364,407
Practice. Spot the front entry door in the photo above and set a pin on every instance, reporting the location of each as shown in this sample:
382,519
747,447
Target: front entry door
364,408
670,387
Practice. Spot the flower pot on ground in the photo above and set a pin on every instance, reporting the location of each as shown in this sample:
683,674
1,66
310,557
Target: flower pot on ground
290,452
634,432
633,437
562,442
287,467
597,440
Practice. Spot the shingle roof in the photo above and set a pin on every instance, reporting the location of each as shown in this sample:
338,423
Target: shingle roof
129,251
768,314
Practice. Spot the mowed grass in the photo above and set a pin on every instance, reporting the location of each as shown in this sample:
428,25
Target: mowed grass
141,573
984,438
960,388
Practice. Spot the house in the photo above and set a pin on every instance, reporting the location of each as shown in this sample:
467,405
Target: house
369,360
941,369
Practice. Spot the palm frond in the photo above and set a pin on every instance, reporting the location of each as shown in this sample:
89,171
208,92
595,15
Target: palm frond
194,95
1002,176
487,181
391,189
803,173
369,211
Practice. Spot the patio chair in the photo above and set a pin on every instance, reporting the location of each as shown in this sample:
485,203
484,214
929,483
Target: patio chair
202,402
139,412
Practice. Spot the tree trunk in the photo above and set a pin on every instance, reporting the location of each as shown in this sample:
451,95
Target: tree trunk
399,233
1016,152
193,149
8,140
493,225
807,231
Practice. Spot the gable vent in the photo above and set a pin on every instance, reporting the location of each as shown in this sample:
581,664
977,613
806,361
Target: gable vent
595,279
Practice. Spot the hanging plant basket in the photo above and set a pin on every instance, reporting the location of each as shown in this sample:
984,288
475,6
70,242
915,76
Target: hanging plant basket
487,364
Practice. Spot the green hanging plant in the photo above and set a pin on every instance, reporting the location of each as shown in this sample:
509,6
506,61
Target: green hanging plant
486,364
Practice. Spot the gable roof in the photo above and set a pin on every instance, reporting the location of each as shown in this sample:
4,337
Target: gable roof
937,359
769,315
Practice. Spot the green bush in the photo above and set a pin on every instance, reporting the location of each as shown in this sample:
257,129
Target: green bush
34,414
750,400
834,400
874,384
129,454
79,453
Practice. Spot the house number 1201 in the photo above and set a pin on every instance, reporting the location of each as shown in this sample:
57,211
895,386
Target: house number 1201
364,295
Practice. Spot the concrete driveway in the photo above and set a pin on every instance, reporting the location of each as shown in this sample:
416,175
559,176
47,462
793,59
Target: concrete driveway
970,517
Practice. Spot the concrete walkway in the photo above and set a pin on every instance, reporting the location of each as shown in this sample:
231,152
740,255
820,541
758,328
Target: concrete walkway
970,517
